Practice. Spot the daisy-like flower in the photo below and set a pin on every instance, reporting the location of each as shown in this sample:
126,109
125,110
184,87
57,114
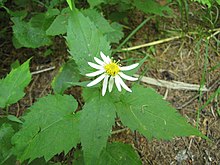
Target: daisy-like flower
111,72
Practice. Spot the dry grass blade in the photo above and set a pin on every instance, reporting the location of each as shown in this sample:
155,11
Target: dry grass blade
172,84
152,43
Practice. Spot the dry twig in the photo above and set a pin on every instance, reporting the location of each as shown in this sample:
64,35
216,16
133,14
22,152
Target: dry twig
43,70
172,84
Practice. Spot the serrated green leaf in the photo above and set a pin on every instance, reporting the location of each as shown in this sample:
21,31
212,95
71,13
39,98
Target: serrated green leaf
43,20
119,154
67,74
152,7
97,118
51,13
117,34
101,23
6,132
112,31
114,154
145,110
29,36
94,3
85,41
59,25
13,85
49,128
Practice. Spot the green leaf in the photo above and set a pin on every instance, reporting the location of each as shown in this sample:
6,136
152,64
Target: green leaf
112,31
119,154
152,7
101,23
97,118
59,25
117,34
16,43
15,124
67,74
15,64
90,93
81,84
94,3
14,119
51,13
54,3
6,132
39,161
85,41
13,85
22,14
78,158
146,111
44,20
70,4
49,128
10,160
114,154
29,36
205,2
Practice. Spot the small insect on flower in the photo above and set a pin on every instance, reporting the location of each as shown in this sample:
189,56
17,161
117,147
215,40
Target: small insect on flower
111,72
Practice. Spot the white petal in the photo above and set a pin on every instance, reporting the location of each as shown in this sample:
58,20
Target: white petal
95,65
96,81
123,84
96,73
117,83
126,77
105,84
99,61
106,59
109,59
110,84
130,67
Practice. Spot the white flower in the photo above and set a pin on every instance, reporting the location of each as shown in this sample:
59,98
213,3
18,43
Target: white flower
111,72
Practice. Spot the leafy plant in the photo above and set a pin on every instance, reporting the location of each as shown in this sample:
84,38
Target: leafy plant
32,34
92,126
53,122
12,87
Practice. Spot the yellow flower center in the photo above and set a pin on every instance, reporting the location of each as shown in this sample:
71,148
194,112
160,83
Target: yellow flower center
112,68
